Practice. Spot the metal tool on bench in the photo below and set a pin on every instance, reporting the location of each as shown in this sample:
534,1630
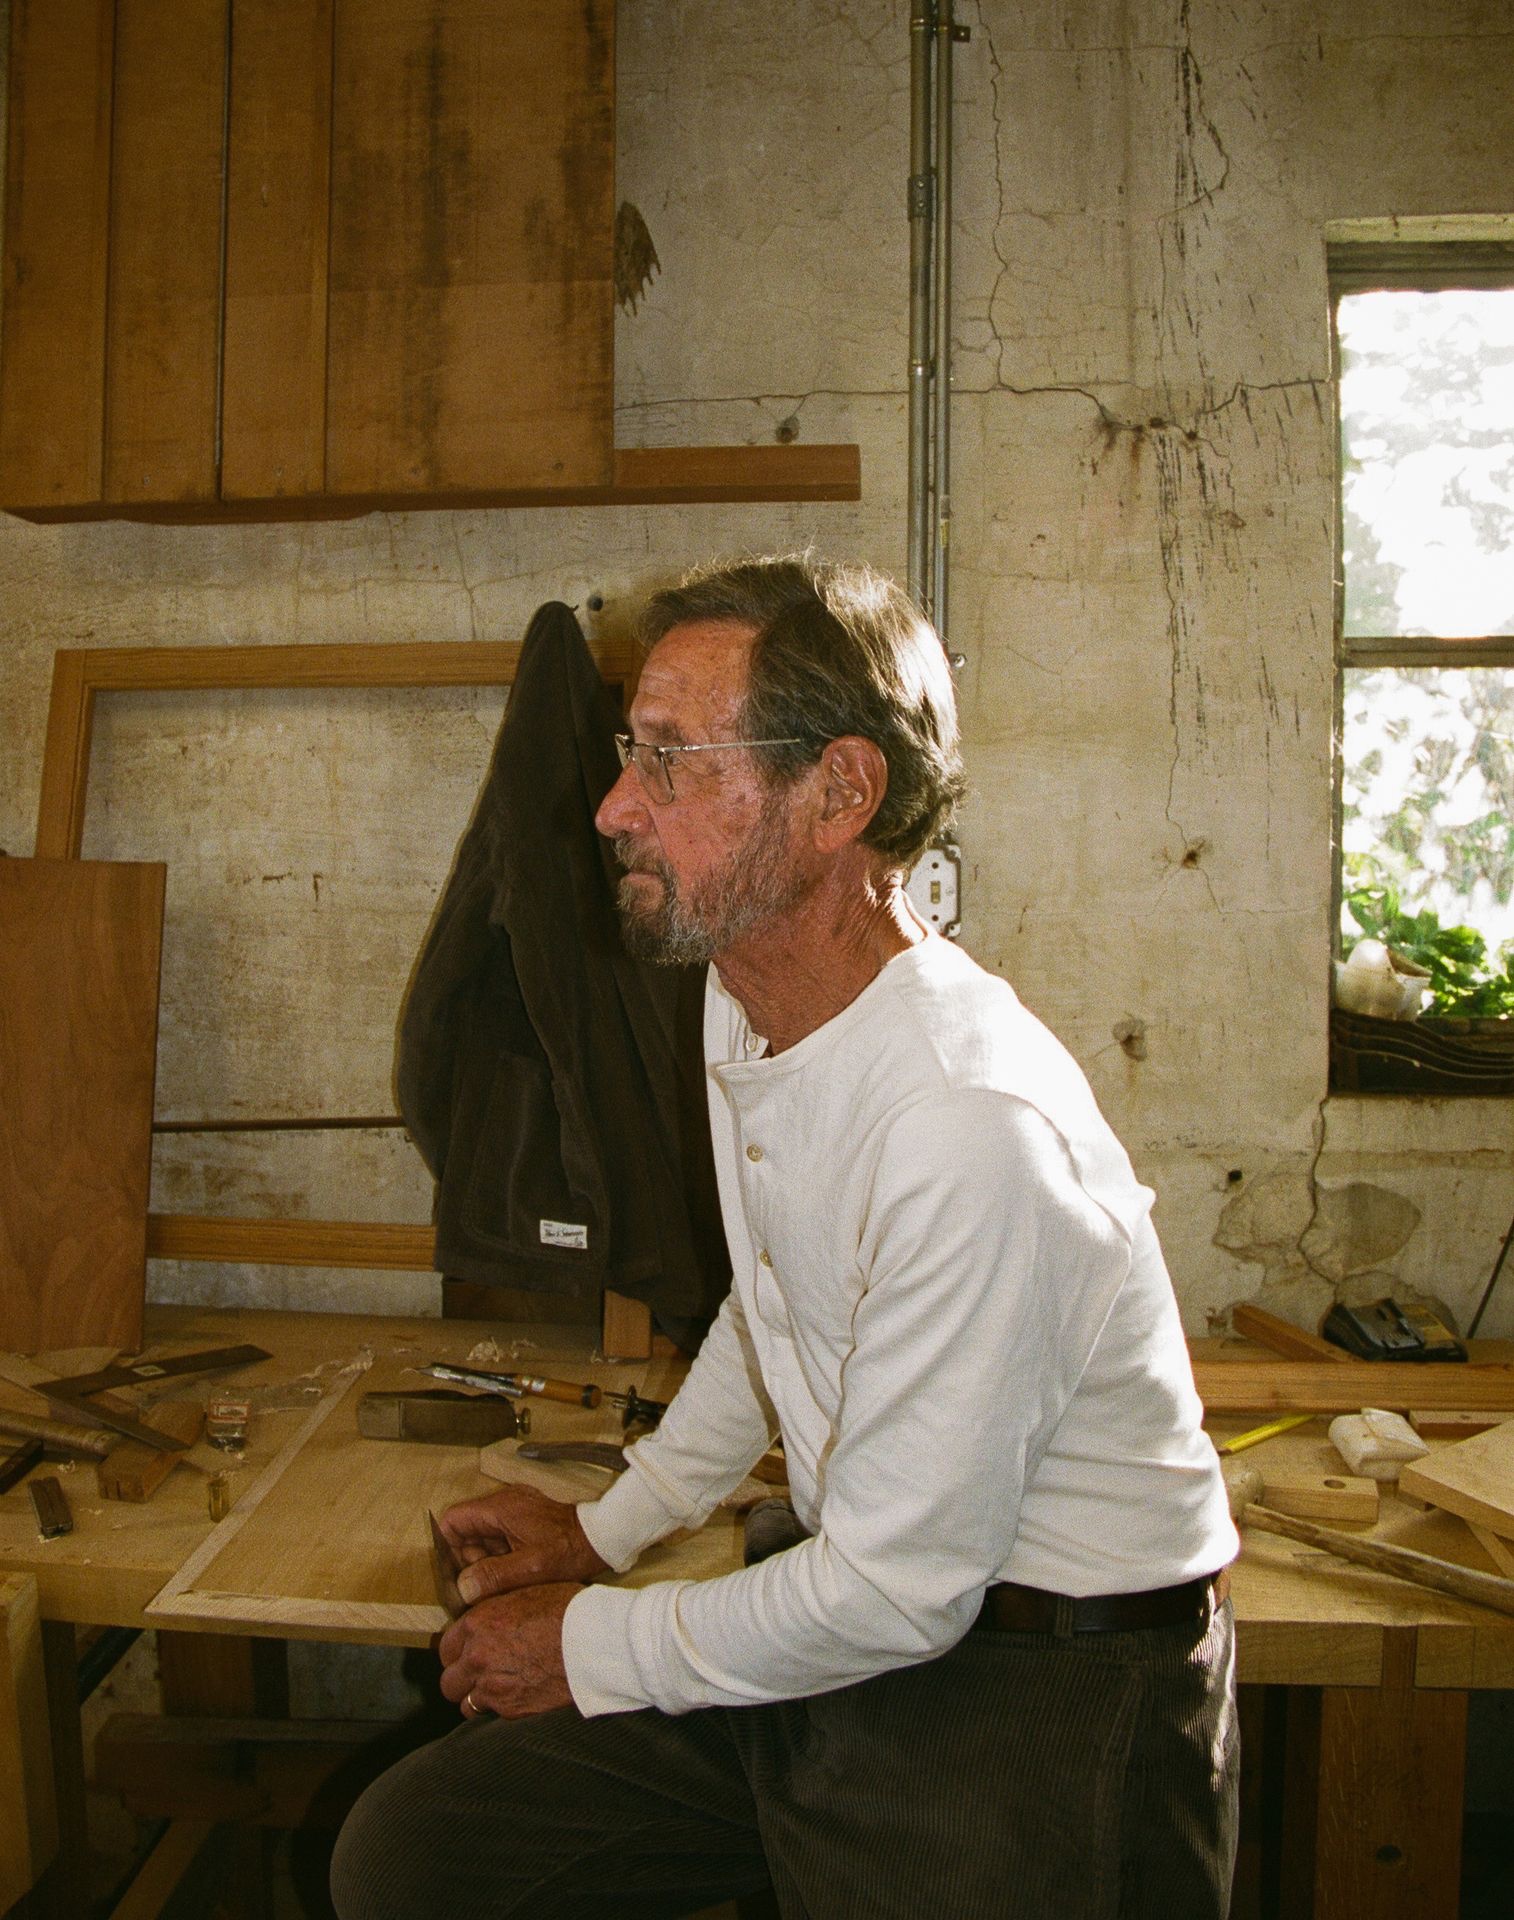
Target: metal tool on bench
586,1453
50,1503
515,1386
445,1567
635,1411
1388,1330
440,1416
77,1393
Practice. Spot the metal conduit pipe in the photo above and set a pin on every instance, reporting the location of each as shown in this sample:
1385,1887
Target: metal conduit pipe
942,320
921,207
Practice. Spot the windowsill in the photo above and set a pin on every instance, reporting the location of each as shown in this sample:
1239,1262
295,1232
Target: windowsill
1436,1056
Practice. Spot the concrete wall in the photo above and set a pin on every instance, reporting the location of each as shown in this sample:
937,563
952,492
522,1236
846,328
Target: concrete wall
1142,588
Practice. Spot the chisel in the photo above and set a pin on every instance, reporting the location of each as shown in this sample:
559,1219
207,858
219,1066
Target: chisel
514,1386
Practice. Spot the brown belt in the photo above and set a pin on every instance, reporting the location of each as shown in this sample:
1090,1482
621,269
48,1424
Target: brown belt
1010,1608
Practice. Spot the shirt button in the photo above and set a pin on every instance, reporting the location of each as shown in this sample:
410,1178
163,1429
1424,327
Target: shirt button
754,1153
753,1043
765,1257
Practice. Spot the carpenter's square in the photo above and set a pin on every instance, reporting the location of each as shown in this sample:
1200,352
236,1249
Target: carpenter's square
75,1393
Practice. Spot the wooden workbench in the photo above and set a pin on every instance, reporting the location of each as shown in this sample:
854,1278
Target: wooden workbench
1378,1672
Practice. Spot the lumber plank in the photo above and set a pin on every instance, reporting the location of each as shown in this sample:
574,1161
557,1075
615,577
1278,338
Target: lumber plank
278,174
52,373
471,302
1473,1478
80,943
28,1809
1281,1336
291,1243
163,317
1318,1386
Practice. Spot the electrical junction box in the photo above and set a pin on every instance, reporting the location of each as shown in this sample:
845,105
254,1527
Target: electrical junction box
935,888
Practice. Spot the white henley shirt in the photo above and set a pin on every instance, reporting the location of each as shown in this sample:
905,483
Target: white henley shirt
949,1299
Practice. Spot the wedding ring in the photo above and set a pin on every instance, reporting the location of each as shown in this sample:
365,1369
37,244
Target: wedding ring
468,1702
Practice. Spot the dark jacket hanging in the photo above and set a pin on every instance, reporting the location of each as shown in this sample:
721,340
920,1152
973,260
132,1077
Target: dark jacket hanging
554,1086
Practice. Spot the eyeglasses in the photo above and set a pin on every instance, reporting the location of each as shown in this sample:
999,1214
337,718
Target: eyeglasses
654,764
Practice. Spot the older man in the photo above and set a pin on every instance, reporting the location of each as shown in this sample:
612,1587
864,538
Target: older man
995,1679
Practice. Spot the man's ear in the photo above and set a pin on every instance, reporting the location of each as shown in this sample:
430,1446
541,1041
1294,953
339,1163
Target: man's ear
853,781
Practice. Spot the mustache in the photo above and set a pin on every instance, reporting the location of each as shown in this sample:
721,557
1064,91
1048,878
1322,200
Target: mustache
638,860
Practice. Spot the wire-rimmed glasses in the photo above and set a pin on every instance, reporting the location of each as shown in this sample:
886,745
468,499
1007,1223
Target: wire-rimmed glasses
653,763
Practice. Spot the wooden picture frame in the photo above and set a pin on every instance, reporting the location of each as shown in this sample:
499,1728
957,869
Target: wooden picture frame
80,676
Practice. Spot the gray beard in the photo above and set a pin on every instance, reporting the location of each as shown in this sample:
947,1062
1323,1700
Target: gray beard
751,885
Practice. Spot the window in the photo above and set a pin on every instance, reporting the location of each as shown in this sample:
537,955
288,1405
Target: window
1424,340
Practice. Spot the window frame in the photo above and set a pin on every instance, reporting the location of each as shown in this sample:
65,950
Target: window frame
1369,266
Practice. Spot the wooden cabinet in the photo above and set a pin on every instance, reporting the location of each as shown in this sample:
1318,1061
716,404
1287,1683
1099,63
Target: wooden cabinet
287,252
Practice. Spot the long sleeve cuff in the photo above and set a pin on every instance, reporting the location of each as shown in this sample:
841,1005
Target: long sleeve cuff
626,1518
599,1645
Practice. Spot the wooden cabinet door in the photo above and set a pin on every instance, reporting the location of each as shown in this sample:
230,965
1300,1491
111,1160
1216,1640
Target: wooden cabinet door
163,320
289,249
278,216
52,359
471,305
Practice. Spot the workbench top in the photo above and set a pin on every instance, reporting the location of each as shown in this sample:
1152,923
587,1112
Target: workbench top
345,1522
346,1519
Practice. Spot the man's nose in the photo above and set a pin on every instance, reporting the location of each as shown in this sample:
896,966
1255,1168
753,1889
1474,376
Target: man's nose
624,807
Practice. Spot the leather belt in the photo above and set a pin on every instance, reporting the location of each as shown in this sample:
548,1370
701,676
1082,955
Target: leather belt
1011,1608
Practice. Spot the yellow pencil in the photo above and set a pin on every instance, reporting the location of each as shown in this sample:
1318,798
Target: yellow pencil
1255,1434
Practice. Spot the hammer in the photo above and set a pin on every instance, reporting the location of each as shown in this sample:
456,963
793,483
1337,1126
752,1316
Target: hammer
1243,1484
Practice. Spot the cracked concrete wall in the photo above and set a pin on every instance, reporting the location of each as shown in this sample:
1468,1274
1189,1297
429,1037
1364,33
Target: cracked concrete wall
1142,565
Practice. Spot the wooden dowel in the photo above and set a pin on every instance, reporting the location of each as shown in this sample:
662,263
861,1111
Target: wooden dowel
1423,1569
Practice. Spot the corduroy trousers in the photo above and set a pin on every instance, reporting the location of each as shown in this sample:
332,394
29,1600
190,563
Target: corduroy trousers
1021,1776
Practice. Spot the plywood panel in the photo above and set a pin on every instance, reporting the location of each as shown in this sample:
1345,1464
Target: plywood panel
164,318
471,246
278,188
79,952
1473,1478
52,377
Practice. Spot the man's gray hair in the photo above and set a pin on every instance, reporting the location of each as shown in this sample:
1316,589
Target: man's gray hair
839,650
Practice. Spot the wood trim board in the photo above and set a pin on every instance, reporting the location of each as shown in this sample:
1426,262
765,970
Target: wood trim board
330,1540
641,477
80,676
182,1599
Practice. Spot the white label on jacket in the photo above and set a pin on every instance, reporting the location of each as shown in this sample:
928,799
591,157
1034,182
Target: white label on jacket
562,1233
